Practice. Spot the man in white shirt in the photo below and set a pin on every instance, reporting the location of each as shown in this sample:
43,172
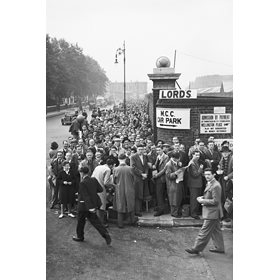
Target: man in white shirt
103,175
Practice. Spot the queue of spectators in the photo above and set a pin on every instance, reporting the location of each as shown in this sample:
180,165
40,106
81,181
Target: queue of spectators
132,170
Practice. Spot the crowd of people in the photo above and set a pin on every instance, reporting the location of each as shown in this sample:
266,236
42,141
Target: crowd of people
119,151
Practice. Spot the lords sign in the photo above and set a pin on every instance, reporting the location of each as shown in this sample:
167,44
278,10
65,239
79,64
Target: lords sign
178,94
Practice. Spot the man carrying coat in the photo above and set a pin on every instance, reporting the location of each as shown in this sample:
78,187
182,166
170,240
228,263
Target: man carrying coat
174,186
88,203
212,213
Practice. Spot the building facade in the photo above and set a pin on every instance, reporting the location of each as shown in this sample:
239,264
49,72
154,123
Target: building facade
134,90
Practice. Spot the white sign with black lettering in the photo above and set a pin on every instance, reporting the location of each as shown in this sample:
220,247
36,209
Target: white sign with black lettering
219,110
173,118
215,123
178,94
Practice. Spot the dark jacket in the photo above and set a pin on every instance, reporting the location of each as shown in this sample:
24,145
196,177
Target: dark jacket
88,197
63,176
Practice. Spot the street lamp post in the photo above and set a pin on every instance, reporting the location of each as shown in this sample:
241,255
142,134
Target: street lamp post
119,52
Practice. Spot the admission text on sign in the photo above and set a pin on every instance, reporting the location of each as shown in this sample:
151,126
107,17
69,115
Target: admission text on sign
215,123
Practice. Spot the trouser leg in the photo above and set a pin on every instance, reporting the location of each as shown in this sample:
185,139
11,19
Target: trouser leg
100,215
51,184
55,190
159,195
217,236
204,235
131,217
120,219
179,198
174,210
81,224
138,205
94,220
194,205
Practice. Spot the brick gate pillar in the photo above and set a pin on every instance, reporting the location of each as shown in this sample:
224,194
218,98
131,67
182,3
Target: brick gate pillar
163,77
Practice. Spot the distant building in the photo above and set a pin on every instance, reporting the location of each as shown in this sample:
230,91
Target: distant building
134,90
213,85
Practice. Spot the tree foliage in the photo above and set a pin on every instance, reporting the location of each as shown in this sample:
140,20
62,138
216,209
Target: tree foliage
71,73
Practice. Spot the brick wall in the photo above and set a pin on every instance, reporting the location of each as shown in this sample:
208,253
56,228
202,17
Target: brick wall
197,106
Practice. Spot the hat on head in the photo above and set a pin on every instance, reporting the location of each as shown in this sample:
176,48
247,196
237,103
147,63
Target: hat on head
140,146
225,149
117,139
225,142
166,145
122,156
125,139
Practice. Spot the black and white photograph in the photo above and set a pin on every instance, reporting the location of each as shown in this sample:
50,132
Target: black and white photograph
118,128
139,140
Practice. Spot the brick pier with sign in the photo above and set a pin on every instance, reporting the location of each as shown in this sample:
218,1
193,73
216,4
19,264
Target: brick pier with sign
183,113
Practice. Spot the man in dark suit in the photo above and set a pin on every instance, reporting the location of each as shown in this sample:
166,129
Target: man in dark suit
56,168
212,157
212,213
159,177
139,163
195,183
88,203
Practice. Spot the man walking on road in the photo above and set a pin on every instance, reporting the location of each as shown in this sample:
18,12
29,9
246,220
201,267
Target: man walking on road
103,175
88,203
212,213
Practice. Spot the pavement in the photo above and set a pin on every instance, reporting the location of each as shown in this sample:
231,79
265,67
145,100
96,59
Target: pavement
164,221
61,112
55,114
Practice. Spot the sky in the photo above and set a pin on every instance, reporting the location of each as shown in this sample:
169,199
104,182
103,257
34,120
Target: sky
199,30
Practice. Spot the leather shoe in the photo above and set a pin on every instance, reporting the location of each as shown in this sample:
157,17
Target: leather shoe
158,213
77,239
192,251
214,250
108,240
